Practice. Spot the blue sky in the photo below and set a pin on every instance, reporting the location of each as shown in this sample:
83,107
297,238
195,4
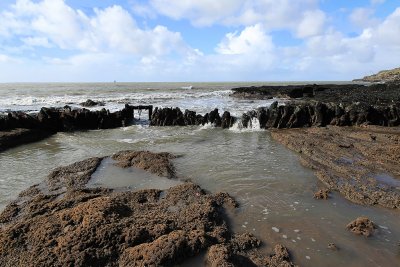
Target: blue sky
202,40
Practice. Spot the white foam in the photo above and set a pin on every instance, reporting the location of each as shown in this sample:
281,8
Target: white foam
275,229
253,126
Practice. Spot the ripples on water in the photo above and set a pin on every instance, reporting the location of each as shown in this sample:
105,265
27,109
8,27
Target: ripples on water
274,190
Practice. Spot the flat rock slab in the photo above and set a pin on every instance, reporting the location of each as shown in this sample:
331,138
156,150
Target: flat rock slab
362,163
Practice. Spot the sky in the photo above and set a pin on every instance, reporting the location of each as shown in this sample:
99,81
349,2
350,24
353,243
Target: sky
197,40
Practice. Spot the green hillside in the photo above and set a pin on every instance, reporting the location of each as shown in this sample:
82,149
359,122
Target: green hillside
383,76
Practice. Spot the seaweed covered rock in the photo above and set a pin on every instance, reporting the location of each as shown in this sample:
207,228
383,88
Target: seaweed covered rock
362,226
322,194
157,163
61,222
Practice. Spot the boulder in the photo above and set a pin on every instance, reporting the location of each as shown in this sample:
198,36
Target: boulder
90,103
362,226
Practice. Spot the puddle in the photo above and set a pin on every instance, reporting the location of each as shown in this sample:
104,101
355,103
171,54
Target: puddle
387,179
110,176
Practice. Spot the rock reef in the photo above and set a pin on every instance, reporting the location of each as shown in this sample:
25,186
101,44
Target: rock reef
61,222
291,115
18,127
347,94
362,163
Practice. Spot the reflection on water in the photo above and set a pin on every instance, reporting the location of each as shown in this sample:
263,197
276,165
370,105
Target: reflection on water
110,176
274,190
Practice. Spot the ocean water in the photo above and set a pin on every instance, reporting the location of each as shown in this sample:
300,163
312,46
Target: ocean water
273,189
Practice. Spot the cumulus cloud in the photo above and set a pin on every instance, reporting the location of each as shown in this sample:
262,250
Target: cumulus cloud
200,13
251,40
363,17
302,17
53,23
49,39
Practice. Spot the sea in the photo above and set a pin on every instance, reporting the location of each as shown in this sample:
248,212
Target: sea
274,190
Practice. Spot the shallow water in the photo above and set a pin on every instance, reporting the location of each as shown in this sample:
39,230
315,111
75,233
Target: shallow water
110,176
274,190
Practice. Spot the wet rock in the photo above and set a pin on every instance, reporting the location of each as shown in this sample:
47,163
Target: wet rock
191,118
219,255
227,120
262,116
67,224
362,226
344,159
296,93
280,258
333,247
169,117
157,163
74,176
90,103
373,95
322,194
16,137
214,118
166,250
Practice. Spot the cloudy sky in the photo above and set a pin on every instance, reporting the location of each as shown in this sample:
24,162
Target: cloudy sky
197,40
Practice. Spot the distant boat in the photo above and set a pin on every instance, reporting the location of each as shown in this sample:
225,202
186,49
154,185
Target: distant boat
187,87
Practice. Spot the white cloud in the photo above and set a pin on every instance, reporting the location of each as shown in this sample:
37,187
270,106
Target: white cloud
200,13
377,2
36,41
363,17
387,33
109,44
302,17
53,22
313,23
251,40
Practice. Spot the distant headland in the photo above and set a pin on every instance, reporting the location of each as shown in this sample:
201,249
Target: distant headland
383,76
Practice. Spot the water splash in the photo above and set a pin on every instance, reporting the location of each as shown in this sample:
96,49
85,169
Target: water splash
253,126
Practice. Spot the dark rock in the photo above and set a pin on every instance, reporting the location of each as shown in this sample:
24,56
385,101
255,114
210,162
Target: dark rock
227,120
90,103
16,137
49,119
214,118
262,116
190,118
296,93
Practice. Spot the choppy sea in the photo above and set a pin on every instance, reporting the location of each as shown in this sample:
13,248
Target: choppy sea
273,188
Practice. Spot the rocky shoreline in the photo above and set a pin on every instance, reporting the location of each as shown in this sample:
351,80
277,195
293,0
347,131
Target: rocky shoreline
349,135
61,222
359,162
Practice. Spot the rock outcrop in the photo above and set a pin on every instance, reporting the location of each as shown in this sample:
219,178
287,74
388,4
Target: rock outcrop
383,76
362,226
16,137
347,94
362,163
299,115
90,103
18,128
157,163
61,222
175,117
